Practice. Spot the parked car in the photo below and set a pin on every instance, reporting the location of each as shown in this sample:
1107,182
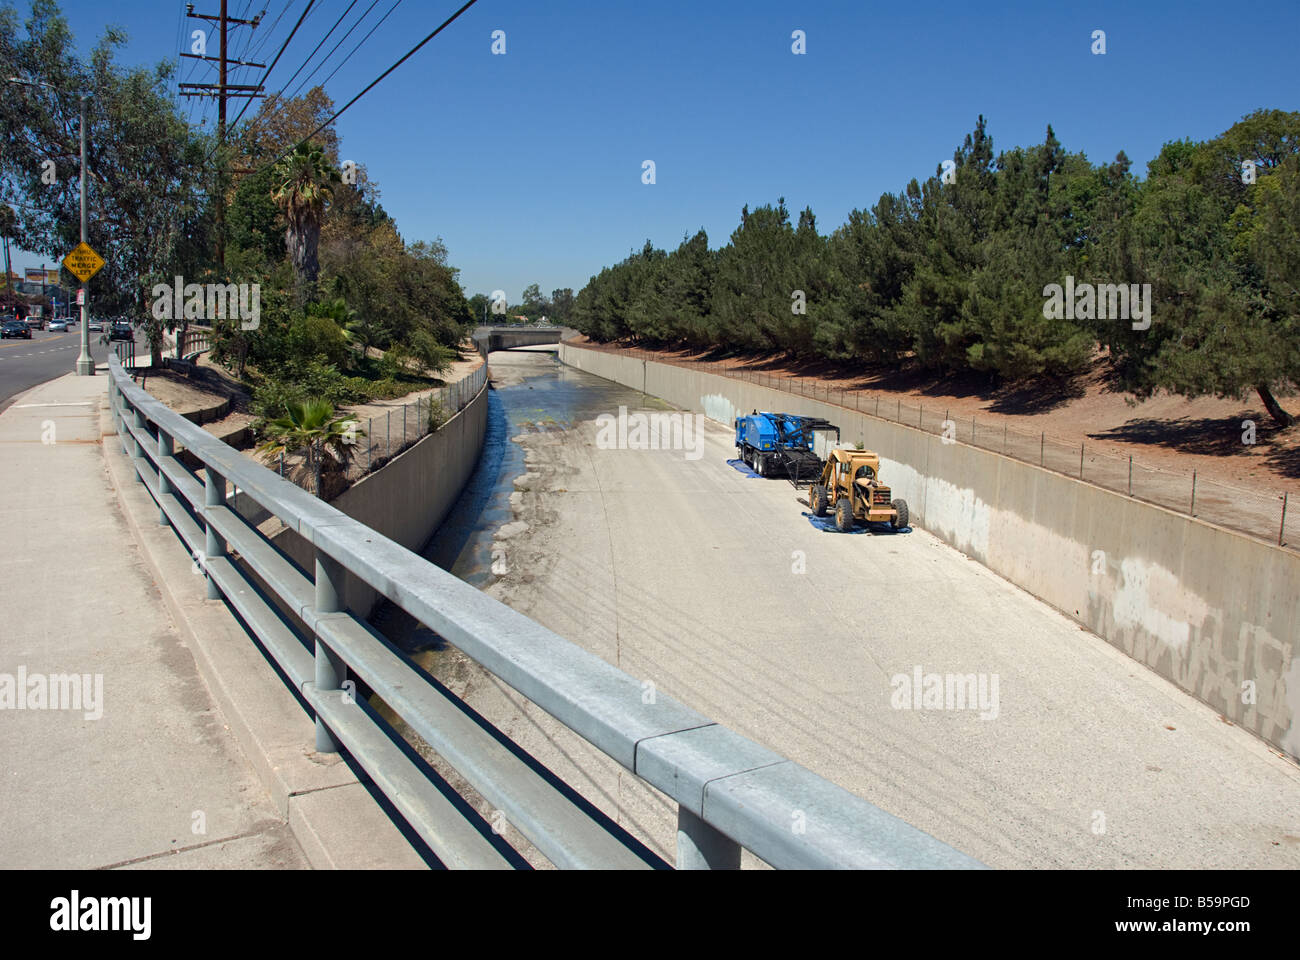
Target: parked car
121,330
59,326
35,323
15,328
94,325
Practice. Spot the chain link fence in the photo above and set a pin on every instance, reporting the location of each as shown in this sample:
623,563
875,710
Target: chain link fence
378,439
1258,514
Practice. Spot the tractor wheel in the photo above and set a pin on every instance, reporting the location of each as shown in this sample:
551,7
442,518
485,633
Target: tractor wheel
900,518
819,500
843,515
760,466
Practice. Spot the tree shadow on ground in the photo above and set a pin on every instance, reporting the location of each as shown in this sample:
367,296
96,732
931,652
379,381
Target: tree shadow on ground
1040,396
1206,436
1285,459
1026,397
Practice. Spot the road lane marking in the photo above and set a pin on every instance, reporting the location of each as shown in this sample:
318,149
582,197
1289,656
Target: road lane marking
24,406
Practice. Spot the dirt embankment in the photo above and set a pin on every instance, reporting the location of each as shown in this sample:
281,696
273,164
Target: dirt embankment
1165,432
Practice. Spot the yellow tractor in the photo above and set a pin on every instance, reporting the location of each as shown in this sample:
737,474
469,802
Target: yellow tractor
850,486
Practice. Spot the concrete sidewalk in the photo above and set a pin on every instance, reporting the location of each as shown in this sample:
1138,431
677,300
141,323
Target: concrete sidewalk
144,770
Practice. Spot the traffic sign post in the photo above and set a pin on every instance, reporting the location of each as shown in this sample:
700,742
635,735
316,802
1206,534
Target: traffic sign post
83,261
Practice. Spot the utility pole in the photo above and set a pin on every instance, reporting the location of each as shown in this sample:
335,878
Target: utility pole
223,91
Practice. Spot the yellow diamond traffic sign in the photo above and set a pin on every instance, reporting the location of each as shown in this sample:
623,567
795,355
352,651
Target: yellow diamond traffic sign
83,262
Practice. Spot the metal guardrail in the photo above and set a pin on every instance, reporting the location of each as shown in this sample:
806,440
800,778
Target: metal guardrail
125,350
731,792
190,343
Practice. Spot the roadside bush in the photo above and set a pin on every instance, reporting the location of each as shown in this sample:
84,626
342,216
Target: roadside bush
437,415
298,381
393,364
319,338
430,354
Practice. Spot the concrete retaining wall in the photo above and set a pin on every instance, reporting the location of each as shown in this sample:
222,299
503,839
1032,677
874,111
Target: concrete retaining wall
1212,610
406,499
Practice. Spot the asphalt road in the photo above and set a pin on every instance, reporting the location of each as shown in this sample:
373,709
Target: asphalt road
27,363
723,591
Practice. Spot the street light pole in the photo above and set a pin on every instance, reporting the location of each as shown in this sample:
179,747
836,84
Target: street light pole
85,363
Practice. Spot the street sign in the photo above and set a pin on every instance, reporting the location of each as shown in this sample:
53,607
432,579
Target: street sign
81,297
83,262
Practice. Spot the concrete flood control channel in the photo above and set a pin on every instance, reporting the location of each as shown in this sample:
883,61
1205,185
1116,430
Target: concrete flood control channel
718,588
532,393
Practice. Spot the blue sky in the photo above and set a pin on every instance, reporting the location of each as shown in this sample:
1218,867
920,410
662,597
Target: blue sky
529,165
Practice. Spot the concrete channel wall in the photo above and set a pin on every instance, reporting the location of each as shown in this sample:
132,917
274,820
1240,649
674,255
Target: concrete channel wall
406,499
1212,610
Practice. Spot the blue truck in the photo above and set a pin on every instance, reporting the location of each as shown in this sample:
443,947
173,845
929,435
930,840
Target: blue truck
781,443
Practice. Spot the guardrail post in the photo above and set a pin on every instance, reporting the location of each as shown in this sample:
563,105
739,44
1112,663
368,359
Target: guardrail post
701,847
137,419
1193,510
166,448
330,670
214,495
122,433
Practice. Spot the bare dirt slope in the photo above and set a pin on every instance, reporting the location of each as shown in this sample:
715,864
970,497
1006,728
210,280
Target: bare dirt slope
1165,432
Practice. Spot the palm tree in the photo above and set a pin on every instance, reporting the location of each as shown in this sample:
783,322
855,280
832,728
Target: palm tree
303,186
311,424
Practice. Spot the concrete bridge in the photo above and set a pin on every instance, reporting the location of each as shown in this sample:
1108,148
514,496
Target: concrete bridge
507,336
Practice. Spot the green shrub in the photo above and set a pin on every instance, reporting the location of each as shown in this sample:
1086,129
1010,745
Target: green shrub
437,416
392,365
432,355
320,339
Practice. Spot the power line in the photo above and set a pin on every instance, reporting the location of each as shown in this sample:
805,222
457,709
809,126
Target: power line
374,83
319,45
361,43
271,32
264,117
324,60
280,53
